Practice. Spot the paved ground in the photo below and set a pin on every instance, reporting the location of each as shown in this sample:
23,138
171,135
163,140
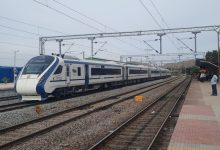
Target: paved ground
7,86
198,127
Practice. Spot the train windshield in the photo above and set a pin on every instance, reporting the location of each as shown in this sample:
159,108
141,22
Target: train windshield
38,64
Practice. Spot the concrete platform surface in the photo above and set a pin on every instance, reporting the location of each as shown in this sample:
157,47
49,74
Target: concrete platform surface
198,126
6,86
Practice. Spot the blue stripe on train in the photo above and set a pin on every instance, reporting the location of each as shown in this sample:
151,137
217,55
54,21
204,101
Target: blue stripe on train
40,86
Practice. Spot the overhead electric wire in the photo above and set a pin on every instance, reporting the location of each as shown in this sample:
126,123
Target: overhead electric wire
157,10
151,46
72,18
185,44
20,30
76,11
150,14
163,20
17,44
155,20
58,11
94,20
32,25
18,36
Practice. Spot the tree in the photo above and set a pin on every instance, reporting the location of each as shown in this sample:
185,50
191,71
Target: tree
212,57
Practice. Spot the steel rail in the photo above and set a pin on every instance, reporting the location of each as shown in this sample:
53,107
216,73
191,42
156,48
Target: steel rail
166,119
17,105
59,116
87,105
110,135
20,105
8,98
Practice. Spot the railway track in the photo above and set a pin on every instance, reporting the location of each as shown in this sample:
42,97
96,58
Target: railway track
24,131
8,98
17,105
20,105
141,130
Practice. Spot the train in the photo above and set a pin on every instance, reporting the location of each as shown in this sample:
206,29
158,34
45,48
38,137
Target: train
46,76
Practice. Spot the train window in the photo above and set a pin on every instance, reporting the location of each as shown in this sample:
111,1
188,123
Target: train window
59,70
79,71
131,71
154,71
38,64
105,71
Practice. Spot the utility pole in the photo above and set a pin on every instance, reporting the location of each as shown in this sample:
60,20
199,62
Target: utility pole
179,57
41,46
83,53
130,59
92,39
160,35
218,32
60,44
121,58
15,70
195,37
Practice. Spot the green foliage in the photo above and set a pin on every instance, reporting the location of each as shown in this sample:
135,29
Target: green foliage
212,57
192,70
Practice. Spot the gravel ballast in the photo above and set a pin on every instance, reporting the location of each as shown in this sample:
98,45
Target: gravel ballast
23,115
83,133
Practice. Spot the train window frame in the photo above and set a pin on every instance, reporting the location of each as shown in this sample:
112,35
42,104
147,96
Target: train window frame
38,64
135,71
105,71
59,70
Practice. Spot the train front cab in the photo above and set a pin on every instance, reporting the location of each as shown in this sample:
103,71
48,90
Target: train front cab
30,83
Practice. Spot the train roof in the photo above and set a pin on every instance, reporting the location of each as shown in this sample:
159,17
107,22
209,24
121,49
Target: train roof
93,62
107,62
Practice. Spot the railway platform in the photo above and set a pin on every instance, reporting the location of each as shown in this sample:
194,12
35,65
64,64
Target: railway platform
6,86
198,125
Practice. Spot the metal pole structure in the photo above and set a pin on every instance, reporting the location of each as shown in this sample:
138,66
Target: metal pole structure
41,46
195,37
121,58
83,52
130,59
160,35
92,39
179,57
60,45
218,45
15,70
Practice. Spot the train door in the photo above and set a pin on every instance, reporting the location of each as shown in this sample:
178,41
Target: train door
86,76
149,72
123,73
67,74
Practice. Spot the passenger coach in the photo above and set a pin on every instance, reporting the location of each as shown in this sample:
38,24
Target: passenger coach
45,76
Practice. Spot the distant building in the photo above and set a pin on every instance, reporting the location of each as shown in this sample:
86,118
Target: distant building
7,73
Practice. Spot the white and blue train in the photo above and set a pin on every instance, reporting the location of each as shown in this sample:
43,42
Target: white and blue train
52,76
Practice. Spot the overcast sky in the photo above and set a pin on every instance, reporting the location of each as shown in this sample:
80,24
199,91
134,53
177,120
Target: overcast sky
23,21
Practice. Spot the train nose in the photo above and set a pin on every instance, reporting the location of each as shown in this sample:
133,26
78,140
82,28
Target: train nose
26,85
